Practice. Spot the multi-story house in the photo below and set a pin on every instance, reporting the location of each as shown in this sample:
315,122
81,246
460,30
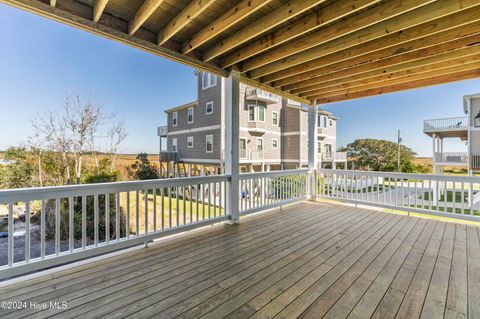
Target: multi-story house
273,130
465,128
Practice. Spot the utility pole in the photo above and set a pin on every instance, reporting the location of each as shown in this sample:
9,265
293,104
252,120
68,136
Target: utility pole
399,140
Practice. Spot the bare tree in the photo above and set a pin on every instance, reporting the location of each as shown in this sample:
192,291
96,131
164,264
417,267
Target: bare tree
117,134
82,120
74,132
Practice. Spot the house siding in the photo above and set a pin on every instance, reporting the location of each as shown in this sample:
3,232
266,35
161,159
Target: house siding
290,133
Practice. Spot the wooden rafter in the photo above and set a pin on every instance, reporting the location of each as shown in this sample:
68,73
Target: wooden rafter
146,10
98,9
313,21
433,54
426,68
190,12
228,19
287,11
345,49
333,41
452,77
444,29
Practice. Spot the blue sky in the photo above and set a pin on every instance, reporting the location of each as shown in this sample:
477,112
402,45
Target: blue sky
40,60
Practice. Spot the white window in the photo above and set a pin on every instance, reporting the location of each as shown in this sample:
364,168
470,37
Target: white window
251,113
319,147
190,114
208,80
190,141
275,118
331,123
209,143
319,120
259,144
209,107
174,118
274,143
261,113
174,144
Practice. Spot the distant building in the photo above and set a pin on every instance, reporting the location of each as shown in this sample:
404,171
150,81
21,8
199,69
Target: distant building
273,130
466,128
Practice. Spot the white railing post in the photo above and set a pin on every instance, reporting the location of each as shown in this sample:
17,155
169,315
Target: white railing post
312,152
232,145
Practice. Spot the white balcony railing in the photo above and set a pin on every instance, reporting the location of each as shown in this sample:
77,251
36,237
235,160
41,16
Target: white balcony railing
162,131
334,156
452,158
251,155
293,102
322,131
453,123
261,95
442,195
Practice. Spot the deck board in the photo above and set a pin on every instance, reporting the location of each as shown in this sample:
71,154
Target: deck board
309,260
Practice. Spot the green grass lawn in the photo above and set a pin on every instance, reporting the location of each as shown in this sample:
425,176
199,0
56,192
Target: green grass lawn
459,197
171,211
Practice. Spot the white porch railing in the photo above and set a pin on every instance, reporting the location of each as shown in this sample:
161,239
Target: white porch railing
442,195
253,155
450,157
260,191
446,123
64,224
162,131
334,156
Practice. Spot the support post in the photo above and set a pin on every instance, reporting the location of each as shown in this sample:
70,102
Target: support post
312,152
232,144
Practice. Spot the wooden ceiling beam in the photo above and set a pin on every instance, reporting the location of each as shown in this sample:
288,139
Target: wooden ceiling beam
416,72
430,33
190,12
320,18
287,11
146,10
225,21
449,50
98,9
368,19
296,53
453,77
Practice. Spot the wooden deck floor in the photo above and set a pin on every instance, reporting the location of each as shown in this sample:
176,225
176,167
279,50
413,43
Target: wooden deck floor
311,260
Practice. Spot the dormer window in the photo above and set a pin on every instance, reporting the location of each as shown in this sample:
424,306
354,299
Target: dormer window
476,120
208,80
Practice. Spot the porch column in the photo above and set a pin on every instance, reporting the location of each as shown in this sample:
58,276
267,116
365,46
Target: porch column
232,144
434,158
312,152
434,184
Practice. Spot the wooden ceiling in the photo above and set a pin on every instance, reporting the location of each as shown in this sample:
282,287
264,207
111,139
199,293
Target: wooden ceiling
309,50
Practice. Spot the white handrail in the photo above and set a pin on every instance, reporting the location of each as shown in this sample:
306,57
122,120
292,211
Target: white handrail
446,123
443,195
87,220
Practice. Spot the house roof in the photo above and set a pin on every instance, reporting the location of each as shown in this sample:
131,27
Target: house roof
181,107
312,51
